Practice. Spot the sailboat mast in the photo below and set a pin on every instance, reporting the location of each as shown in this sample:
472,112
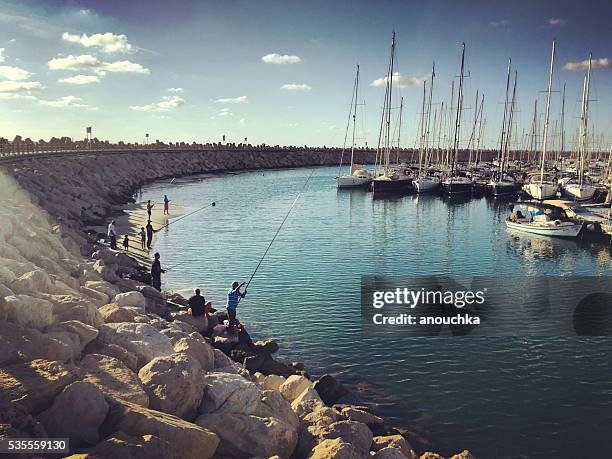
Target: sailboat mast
399,130
355,98
563,121
547,115
388,106
427,148
509,130
423,128
500,157
473,135
584,123
459,108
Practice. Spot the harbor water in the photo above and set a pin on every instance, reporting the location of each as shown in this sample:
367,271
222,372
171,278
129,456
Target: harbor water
503,397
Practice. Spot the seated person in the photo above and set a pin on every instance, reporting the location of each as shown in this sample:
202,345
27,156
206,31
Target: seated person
198,305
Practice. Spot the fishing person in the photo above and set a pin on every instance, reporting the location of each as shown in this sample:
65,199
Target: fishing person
149,234
156,272
234,295
149,208
199,309
166,205
143,238
112,234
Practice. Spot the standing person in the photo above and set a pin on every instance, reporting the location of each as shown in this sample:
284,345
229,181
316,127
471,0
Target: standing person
112,234
143,238
166,205
156,272
126,243
233,297
149,234
149,208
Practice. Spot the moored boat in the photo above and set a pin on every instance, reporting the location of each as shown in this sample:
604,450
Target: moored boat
548,218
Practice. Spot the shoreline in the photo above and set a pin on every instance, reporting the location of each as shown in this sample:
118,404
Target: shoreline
310,426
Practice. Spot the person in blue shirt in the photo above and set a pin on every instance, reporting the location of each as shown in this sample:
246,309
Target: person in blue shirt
233,298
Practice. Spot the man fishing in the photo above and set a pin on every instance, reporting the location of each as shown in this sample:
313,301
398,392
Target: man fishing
149,234
112,234
156,272
234,295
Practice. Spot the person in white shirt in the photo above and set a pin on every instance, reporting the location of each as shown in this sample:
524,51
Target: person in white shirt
112,234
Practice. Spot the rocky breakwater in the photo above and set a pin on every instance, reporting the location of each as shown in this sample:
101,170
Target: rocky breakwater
90,355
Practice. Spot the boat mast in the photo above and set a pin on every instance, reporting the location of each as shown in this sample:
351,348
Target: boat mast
584,123
509,130
563,121
355,98
472,142
458,117
451,133
388,103
399,129
500,157
547,115
423,129
427,149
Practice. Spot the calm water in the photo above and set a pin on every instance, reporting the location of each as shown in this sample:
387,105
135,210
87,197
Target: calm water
498,397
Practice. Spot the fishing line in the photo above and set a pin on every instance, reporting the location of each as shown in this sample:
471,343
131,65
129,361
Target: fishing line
279,228
212,204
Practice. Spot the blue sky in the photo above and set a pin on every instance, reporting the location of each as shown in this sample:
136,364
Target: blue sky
195,70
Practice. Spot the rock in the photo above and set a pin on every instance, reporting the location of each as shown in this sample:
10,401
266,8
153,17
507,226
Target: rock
123,446
124,260
389,453
465,454
308,394
20,344
223,364
35,384
193,441
272,382
102,287
246,436
268,346
16,422
294,386
113,313
355,414
430,455
33,281
313,427
174,384
28,311
252,362
199,324
308,406
106,272
112,350
393,441
273,405
355,433
76,413
134,299
141,339
330,389
154,300
196,347
273,367
229,393
334,449
297,366
84,333
113,378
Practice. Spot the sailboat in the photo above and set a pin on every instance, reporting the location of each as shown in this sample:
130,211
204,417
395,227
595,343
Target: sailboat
426,181
503,183
455,184
358,175
396,179
544,187
581,188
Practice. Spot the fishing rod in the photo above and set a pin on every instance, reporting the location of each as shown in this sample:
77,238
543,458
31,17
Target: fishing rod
212,204
278,231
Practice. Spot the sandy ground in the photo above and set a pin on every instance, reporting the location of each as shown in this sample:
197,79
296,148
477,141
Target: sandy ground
134,218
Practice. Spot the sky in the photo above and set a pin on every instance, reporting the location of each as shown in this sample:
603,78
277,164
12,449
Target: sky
282,72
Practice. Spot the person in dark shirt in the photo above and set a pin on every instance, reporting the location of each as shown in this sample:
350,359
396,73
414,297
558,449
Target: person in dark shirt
197,304
149,234
156,272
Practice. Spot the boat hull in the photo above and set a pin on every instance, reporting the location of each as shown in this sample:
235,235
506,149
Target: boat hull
565,229
392,186
457,187
541,191
426,184
501,188
576,192
351,181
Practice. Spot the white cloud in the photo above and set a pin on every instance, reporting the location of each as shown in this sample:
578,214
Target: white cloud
2,56
85,12
13,73
556,22
91,63
399,80
296,87
233,100
275,58
65,102
14,86
80,79
106,42
16,95
603,63
167,103
176,90
498,24
224,112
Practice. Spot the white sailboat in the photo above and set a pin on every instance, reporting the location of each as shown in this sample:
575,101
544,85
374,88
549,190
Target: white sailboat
543,188
552,218
358,175
581,188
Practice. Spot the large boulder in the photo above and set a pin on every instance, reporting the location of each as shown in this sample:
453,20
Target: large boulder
143,340
355,414
35,384
113,313
135,299
355,433
229,393
330,389
389,453
223,363
199,323
112,350
154,300
308,394
465,454
193,441
77,332
273,405
393,441
272,382
294,386
113,378
21,344
76,413
121,445
196,347
245,436
430,455
174,384
28,311
335,449
268,346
